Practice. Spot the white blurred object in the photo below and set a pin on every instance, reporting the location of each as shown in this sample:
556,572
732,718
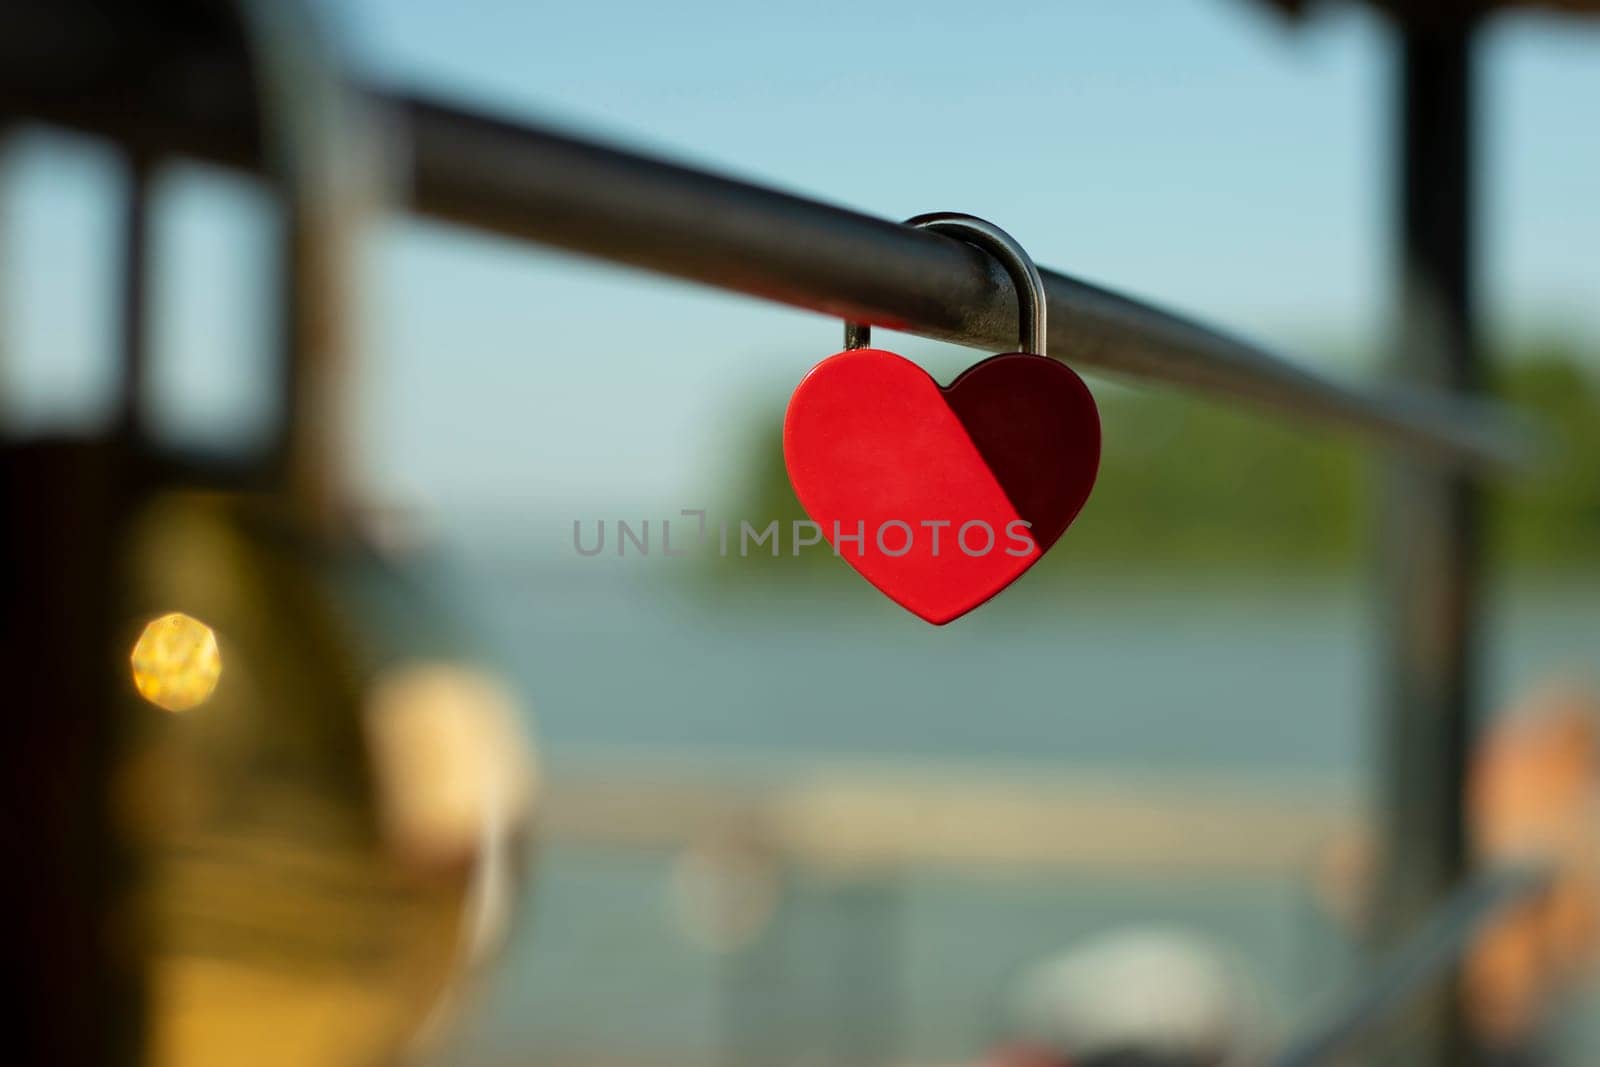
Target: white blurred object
1144,995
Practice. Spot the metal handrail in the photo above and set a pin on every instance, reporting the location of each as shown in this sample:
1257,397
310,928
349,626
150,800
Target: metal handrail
537,184
1427,957
630,208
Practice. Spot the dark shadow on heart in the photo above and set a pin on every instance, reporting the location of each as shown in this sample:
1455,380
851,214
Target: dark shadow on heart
1035,424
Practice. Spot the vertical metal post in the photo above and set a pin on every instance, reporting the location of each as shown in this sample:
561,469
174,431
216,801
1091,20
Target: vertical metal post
78,971
76,976
134,312
1430,568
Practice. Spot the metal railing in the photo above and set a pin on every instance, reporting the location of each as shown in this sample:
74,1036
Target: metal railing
1427,958
537,184
645,212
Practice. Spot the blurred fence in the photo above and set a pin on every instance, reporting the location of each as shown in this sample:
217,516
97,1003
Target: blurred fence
862,914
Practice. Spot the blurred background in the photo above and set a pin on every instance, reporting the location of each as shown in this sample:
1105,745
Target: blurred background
783,821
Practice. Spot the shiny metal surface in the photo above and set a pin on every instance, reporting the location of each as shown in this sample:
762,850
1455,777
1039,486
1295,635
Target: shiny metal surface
328,841
524,181
1033,306
1433,561
323,797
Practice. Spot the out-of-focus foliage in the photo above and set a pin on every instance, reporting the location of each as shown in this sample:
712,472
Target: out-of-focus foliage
1188,481
1554,516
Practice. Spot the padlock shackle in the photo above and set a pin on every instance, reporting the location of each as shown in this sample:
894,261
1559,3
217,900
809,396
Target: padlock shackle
1031,303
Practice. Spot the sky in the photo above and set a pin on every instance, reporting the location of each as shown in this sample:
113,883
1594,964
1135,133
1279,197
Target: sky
1202,153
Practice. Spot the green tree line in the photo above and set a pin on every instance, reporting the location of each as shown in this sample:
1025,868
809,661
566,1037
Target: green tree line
1185,481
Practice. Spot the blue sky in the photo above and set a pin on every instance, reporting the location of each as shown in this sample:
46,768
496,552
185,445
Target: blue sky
1200,152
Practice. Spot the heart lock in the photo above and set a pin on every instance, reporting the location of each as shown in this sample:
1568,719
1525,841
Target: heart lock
941,496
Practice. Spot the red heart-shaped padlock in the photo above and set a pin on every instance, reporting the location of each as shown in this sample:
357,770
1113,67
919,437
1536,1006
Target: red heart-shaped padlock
941,497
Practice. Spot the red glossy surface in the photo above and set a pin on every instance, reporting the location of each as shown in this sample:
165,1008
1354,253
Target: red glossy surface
873,444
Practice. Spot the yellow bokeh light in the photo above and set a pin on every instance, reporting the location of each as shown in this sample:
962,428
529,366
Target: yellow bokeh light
176,662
